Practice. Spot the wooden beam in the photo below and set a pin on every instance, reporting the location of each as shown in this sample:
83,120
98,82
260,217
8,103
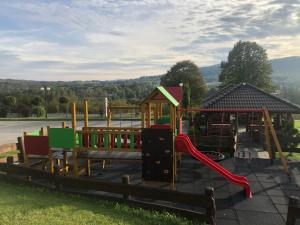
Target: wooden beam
74,116
276,141
86,113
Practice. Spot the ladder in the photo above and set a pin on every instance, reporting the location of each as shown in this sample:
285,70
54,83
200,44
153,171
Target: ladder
269,129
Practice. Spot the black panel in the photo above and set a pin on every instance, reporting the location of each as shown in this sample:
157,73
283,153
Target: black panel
157,154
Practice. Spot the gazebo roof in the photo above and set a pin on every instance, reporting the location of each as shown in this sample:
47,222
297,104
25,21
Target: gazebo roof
246,96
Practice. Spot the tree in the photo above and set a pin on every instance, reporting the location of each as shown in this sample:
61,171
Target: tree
24,110
9,101
37,101
64,101
39,111
188,73
247,62
289,136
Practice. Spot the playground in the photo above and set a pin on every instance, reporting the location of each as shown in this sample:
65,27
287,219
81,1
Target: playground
160,165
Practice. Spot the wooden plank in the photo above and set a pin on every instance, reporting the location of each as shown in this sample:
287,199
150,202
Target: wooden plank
194,215
276,141
112,187
110,155
111,128
107,148
106,132
86,113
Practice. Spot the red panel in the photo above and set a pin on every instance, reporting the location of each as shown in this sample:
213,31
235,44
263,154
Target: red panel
138,140
112,141
100,140
160,126
125,141
36,145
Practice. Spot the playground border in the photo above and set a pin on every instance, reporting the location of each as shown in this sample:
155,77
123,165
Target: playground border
124,192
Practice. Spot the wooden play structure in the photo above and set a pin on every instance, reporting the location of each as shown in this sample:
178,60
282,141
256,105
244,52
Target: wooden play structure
157,143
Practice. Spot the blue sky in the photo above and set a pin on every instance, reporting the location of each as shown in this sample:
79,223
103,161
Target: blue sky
119,39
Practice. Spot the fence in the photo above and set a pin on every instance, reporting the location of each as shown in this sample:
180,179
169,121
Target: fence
128,193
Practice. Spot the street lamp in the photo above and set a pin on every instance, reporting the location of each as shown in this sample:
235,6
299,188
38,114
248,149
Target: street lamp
46,89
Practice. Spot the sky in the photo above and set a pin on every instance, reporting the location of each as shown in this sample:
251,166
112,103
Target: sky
121,39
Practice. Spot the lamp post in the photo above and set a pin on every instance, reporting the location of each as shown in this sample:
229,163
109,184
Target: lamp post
46,89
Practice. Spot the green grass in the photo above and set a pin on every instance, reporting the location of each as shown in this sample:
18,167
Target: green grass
8,153
25,205
289,155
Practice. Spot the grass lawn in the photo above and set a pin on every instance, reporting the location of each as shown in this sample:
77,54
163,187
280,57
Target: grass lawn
26,205
289,155
8,153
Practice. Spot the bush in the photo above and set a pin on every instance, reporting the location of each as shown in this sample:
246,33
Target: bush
3,112
39,111
289,136
24,110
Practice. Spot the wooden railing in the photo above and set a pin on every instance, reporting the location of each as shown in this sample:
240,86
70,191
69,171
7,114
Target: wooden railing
109,138
131,194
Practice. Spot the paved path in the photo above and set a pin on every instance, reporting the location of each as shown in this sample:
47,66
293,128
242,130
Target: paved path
10,130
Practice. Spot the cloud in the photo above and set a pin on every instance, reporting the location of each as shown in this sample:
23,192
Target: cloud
103,39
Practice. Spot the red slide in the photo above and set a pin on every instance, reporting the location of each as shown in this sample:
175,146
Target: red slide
184,144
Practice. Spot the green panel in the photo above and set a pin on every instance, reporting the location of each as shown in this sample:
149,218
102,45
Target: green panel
131,145
94,140
79,140
119,141
163,120
34,133
61,138
168,96
106,140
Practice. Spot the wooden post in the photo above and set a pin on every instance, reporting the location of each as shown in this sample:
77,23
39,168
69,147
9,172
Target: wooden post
10,160
86,113
211,211
88,167
20,147
156,113
63,124
293,210
126,180
160,109
148,110
276,141
74,116
74,153
142,117
267,139
42,131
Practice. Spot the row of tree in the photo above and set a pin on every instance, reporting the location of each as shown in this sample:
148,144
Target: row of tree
247,62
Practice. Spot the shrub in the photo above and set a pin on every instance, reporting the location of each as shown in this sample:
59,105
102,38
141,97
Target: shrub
39,111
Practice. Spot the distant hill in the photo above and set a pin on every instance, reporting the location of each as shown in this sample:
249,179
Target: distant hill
284,69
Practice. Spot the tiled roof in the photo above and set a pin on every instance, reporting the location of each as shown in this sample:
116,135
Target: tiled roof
247,96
